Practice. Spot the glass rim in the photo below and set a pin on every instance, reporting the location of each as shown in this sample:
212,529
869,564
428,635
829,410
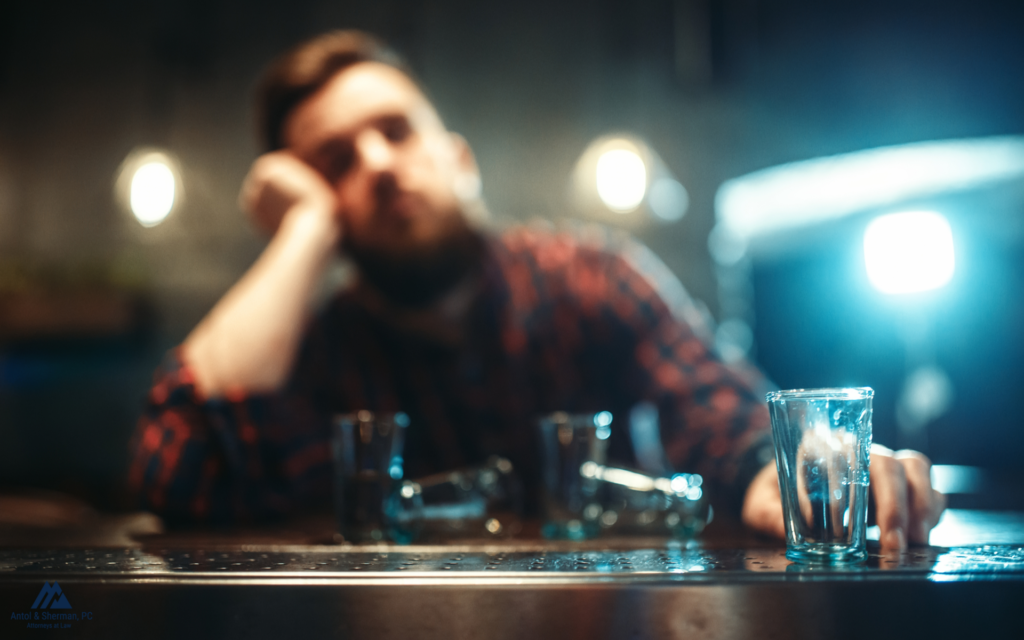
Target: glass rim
577,420
827,393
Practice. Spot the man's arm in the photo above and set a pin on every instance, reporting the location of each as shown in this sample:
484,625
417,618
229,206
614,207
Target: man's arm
201,448
248,342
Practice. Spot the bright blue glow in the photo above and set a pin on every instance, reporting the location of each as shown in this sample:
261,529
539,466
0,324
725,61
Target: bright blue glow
812,191
603,419
395,470
954,478
909,252
680,482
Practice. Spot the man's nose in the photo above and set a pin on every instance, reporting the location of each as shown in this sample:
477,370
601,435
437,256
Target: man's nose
375,152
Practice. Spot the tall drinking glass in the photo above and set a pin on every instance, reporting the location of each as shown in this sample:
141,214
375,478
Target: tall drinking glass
368,469
822,451
571,502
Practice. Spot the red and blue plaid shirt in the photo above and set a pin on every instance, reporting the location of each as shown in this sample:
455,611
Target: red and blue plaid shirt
557,324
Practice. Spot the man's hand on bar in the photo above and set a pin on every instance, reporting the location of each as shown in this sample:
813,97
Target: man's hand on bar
906,505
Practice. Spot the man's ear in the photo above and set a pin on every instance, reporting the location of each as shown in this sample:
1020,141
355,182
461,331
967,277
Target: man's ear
467,179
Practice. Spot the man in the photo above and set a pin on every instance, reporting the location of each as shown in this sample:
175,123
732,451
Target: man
473,335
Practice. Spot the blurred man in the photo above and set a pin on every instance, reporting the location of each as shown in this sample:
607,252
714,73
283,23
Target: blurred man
473,335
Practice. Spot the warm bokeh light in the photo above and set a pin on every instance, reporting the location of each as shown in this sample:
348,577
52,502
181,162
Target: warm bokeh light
149,186
621,179
909,252
152,193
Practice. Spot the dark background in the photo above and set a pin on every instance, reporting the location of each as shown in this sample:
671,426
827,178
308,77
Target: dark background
719,88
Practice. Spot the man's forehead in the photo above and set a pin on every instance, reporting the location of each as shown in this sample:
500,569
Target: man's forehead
355,96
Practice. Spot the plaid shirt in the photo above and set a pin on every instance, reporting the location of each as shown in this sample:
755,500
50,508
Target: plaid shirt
558,323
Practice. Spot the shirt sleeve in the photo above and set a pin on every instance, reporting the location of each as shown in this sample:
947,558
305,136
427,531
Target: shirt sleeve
224,460
714,420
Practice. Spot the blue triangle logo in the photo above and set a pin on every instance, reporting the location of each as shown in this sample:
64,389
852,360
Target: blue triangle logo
62,603
47,594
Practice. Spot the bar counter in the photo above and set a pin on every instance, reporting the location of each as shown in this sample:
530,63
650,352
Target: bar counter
970,583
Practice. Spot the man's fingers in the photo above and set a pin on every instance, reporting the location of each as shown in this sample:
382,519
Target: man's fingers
925,504
279,181
258,190
762,505
889,486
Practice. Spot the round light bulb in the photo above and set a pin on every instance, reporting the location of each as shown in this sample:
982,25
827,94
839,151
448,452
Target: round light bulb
152,193
621,180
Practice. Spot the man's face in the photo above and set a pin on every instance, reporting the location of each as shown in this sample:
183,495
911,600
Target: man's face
392,165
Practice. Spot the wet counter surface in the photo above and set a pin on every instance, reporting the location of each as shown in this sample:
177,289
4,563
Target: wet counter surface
165,587
671,563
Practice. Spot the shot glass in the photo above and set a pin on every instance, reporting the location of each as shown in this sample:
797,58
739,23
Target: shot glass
570,501
822,451
368,467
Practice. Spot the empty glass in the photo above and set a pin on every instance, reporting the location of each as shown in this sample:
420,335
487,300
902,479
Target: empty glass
368,467
570,500
822,451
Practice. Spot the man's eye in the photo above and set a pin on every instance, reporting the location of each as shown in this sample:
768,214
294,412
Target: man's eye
336,164
395,129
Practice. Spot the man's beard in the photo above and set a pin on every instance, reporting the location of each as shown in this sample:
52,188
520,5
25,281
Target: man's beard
417,276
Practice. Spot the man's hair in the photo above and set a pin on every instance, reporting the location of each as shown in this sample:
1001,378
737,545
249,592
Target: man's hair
300,72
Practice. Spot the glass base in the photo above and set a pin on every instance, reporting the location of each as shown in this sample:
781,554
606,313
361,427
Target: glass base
826,553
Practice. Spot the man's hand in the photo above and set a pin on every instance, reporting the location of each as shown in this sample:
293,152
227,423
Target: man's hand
906,505
278,184
249,340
